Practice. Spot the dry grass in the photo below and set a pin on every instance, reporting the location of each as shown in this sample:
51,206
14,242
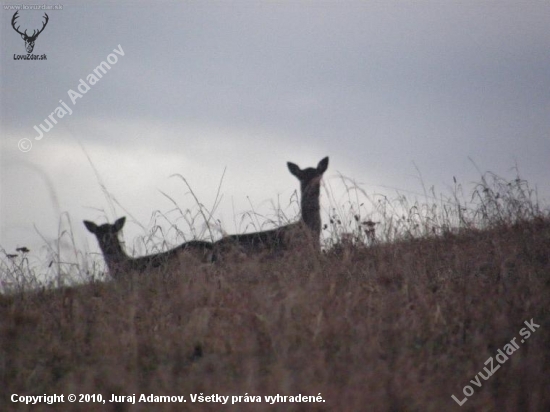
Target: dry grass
396,325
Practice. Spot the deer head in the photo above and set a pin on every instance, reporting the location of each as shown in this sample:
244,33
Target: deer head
29,40
107,237
309,178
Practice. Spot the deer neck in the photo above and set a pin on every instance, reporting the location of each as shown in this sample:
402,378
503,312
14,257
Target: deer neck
311,209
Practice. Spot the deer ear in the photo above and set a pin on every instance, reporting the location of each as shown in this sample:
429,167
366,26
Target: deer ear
119,224
294,169
23,36
323,165
92,227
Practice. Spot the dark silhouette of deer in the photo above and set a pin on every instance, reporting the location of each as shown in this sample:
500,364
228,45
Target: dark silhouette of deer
307,229
120,264
29,40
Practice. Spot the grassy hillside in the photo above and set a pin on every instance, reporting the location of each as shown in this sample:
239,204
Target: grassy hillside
393,326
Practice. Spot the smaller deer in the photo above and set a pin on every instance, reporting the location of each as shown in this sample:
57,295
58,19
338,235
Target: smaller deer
29,40
307,229
119,263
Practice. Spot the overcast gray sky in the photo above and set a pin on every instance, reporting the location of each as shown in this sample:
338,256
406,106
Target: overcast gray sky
204,86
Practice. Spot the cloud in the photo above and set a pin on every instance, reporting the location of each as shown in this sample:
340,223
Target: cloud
208,87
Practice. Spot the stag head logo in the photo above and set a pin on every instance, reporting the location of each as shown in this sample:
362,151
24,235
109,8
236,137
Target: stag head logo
29,40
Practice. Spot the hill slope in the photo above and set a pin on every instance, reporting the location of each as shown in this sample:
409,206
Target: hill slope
394,327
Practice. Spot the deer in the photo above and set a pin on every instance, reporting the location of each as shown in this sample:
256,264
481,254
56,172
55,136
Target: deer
119,263
29,40
307,229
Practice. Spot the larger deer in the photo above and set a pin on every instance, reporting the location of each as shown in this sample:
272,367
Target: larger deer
306,231
29,40
120,264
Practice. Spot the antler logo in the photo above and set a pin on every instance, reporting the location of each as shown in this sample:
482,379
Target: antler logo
29,40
